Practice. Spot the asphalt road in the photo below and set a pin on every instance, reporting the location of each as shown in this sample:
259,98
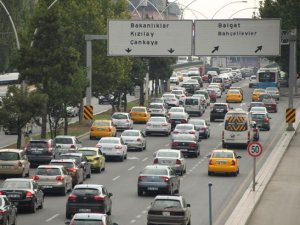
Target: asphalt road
121,177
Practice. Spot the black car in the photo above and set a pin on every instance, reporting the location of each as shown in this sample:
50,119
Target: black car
187,144
40,151
81,161
177,118
8,211
23,193
190,88
89,198
105,99
218,111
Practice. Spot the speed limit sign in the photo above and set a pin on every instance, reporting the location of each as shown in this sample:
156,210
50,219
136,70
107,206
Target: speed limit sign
254,149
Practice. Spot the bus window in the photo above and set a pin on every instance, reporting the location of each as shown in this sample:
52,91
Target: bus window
267,77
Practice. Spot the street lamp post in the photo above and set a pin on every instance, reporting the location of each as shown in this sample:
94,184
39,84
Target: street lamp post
230,3
242,10
182,10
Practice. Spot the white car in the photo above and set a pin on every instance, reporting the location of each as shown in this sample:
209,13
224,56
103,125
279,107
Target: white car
134,139
185,129
72,111
157,109
113,147
158,125
258,109
122,120
179,109
172,158
170,99
174,79
180,95
217,90
66,144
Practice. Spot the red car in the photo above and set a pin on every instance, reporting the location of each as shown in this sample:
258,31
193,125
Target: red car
212,95
205,78
269,101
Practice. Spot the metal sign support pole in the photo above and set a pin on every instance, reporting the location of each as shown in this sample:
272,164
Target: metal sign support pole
210,204
292,71
254,173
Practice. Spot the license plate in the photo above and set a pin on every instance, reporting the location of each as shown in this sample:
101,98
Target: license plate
6,167
47,186
156,126
84,210
36,152
107,149
183,150
14,196
100,129
166,162
221,162
177,121
166,213
152,188
220,110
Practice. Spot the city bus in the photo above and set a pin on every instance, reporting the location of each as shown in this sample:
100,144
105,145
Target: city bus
9,78
268,77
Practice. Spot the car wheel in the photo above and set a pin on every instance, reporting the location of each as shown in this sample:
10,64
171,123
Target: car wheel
90,174
15,220
235,173
63,192
71,188
212,119
171,190
109,211
99,170
146,133
33,207
91,138
145,147
42,204
209,173
68,215
140,192
224,145
122,158
125,157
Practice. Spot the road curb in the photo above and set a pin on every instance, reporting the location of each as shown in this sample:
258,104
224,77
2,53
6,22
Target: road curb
245,207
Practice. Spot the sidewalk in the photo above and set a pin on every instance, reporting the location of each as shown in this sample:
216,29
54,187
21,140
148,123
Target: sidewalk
280,203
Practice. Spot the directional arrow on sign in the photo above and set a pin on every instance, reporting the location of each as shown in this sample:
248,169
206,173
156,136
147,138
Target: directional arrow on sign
171,50
216,48
259,48
128,50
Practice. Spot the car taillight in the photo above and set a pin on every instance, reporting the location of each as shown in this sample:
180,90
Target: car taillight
178,162
109,129
203,128
59,178
210,162
29,194
72,146
164,124
98,146
148,124
169,114
72,197
49,148
99,198
118,146
183,121
192,132
35,177
155,161
192,145
2,212
138,139
92,129
141,178
175,143
2,193
72,170
266,120
165,179
233,162
20,164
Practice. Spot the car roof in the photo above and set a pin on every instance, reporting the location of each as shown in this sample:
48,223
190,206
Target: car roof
11,150
62,160
89,148
50,166
19,179
65,136
157,166
97,186
169,197
93,216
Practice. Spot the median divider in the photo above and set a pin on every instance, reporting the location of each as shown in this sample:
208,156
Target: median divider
245,207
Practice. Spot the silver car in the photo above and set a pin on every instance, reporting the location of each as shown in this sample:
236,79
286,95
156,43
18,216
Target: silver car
65,144
113,147
202,126
122,121
172,158
53,178
185,129
157,109
274,92
134,139
171,100
158,125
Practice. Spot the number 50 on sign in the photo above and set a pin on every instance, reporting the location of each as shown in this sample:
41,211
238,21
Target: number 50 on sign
254,149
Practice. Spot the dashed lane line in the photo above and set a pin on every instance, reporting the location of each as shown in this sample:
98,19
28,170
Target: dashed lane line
51,218
145,159
116,178
131,168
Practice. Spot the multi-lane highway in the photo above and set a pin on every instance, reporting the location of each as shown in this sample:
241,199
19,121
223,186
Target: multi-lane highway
121,177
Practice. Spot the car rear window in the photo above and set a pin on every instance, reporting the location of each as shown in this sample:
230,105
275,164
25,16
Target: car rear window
197,122
87,221
155,171
222,155
191,101
130,133
184,137
86,191
220,107
184,127
109,140
177,92
88,152
167,154
65,164
119,116
37,144
48,171
16,184
217,80
258,116
138,110
155,106
63,141
177,116
101,123
157,119
9,156
166,203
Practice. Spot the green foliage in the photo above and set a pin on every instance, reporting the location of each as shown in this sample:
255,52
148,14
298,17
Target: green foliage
288,11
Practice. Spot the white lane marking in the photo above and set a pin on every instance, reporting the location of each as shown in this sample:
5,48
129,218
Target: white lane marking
166,145
138,216
131,168
52,217
132,221
144,211
144,159
132,158
220,124
116,178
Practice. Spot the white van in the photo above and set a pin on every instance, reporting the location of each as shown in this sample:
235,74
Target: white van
239,129
192,105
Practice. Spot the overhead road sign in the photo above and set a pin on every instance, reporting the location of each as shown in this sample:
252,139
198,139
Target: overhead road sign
238,37
150,37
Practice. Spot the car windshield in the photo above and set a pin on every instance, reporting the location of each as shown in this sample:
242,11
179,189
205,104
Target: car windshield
48,171
63,141
101,123
65,164
109,140
130,133
138,110
9,156
16,184
157,119
88,152
87,221
155,171
168,154
222,155
119,116
166,203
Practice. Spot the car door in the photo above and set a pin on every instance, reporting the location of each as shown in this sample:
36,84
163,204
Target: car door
173,179
38,193
108,201
9,207
101,158
68,178
25,162
143,138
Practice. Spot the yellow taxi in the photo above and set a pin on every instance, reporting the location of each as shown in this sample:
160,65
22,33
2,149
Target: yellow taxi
180,76
256,93
95,157
102,128
14,162
234,95
223,161
237,88
139,114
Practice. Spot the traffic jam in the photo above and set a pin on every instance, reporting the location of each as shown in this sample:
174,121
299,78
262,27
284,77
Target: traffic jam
145,160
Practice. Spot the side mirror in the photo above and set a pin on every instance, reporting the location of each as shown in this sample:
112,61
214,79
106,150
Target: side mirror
253,124
110,194
188,205
67,222
208,156
154,154
239,157
115,224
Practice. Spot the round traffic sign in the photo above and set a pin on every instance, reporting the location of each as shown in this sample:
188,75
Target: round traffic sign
254,149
